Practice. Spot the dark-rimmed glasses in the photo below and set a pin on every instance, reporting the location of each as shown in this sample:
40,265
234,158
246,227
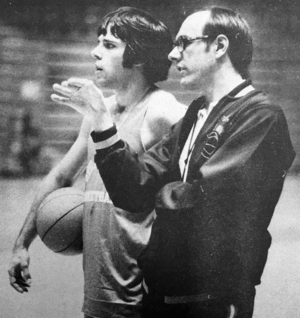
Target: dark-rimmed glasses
182,42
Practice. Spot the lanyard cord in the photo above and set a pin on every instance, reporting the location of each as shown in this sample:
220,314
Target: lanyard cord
190,149
233,93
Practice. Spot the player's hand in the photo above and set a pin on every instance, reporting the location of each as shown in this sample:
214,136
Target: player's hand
18,271
87,99
80,94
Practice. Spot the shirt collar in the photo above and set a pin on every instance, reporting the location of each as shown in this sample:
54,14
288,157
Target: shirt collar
208,107
245,91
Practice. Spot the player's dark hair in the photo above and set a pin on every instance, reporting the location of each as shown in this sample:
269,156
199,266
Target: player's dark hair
148,41
235,28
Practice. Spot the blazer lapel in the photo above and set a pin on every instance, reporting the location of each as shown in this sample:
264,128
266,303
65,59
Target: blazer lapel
189,120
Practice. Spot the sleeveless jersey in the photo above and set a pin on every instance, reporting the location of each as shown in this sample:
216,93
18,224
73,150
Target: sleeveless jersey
114,238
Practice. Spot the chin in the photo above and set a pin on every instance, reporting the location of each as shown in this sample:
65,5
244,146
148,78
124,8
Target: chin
189,84
102,83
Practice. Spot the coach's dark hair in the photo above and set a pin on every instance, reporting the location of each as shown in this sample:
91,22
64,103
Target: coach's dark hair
235,28
148,41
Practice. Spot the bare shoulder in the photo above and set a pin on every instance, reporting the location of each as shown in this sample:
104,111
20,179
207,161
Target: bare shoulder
163,112
164,106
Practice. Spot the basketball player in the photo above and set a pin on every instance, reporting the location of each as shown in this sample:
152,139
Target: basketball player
214,181
132,55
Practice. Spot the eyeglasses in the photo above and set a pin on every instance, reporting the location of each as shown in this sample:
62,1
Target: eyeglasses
182,42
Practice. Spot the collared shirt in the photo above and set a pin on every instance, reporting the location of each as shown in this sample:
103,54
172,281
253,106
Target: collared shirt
190,142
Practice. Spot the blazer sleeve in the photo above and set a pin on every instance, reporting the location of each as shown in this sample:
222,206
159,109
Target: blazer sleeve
132,181
257,151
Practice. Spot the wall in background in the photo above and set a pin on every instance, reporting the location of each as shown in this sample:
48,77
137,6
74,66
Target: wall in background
43,42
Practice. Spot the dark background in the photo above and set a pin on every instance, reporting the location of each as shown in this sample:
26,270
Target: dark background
43,42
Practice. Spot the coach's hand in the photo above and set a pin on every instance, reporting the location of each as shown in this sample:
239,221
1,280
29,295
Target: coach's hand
87,99
18,271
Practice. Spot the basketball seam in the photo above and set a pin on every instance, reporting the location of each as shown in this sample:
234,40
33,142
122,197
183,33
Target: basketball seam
68,245
59,220
61,195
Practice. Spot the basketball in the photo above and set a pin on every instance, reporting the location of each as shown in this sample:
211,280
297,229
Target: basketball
59,221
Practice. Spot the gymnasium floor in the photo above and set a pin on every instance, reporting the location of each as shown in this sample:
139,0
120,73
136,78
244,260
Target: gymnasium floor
56,290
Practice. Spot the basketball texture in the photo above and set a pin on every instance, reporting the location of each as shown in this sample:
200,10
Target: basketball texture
59,221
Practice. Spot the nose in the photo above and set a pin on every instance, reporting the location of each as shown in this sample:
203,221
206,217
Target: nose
174,55
96,53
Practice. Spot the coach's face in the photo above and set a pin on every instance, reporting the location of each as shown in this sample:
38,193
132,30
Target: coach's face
109,61
196,63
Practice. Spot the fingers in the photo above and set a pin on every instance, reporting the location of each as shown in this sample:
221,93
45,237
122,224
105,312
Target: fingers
65,89
80,94
59,99
74,102
70,87
19,277
78,82
26,273
64,84
19,284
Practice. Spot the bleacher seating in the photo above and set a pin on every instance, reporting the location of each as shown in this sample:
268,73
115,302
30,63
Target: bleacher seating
29,67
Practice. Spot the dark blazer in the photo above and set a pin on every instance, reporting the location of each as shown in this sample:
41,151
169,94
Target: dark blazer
210,234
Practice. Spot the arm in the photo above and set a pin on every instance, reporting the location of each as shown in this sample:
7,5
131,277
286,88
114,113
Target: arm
63,174
258,139
123,172
258,145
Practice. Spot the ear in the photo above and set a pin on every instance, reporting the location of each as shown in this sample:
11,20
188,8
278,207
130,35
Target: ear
222,45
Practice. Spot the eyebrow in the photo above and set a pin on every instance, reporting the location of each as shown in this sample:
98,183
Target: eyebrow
110,41
107,40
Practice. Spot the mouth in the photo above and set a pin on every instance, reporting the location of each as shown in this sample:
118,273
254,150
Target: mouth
99,68
181,69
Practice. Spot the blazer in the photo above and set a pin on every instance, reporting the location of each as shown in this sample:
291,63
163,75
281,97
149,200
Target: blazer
210,234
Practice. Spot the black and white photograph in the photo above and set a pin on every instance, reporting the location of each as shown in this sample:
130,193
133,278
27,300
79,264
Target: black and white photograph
150,159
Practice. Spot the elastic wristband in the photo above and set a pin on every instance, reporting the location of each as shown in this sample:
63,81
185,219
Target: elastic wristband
107,143
103,135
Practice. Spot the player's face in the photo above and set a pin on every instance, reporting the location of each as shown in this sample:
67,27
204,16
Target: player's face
196,63
109,57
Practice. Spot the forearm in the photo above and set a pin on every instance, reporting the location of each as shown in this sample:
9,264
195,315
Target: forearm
130,187
28,231
64,174
132,181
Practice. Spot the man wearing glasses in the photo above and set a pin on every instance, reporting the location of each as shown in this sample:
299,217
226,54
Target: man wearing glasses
214,180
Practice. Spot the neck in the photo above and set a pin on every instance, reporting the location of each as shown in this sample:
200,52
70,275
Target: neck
223,83
131,94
